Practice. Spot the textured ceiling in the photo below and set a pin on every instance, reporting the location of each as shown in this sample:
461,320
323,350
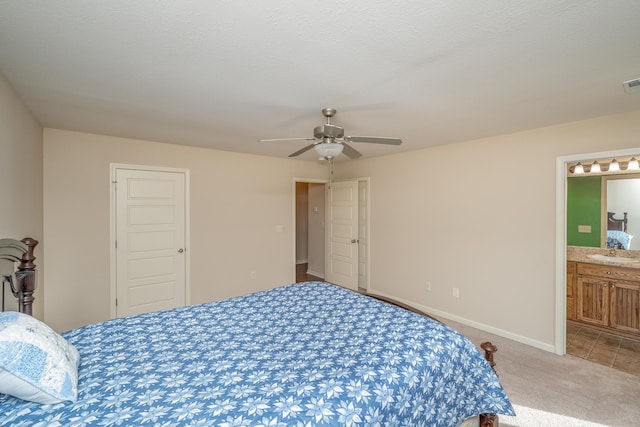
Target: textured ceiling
223,74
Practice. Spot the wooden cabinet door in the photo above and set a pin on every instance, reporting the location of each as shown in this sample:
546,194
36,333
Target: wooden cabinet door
625,306
593,300
571,297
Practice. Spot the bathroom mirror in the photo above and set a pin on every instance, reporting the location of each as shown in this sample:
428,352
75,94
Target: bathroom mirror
620,213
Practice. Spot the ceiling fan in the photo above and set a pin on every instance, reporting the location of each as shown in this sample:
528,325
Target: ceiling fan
329,140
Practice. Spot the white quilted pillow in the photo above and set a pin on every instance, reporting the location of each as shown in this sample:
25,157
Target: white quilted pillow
36,363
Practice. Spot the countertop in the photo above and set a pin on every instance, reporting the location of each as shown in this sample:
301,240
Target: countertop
581,254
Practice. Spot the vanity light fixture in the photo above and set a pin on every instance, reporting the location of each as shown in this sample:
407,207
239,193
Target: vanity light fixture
614,166
604,166
578,169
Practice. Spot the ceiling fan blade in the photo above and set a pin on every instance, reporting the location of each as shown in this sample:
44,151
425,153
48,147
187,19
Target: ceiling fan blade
302,150
350,152
374,140
286,139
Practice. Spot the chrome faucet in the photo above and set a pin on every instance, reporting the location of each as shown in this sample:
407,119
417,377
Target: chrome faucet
612,252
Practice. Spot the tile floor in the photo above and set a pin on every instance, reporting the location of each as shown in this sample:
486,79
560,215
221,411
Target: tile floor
605,349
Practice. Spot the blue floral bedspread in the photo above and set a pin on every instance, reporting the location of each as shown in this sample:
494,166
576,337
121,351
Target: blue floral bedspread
299,355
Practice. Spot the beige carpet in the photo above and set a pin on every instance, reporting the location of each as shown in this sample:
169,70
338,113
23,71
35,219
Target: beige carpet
550,390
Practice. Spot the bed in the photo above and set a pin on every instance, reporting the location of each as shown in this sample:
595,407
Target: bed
303,354
21,252
617,235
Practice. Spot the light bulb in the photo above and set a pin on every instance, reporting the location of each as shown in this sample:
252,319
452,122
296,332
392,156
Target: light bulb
614,166
595,167
578,168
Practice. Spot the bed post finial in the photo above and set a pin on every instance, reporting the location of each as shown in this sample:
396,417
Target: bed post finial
489,349
26,275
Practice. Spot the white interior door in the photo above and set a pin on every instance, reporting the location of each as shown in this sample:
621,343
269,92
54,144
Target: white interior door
150,241
341,267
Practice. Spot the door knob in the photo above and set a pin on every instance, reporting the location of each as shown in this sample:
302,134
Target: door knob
354,241
180,250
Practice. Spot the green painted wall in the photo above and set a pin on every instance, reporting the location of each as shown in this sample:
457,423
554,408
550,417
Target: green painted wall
584,208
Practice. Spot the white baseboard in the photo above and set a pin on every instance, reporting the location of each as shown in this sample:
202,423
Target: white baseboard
496,331
302,261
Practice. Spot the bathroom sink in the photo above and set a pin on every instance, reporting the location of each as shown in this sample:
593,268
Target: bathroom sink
615,259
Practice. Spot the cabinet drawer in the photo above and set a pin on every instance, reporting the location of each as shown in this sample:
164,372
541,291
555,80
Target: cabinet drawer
605,272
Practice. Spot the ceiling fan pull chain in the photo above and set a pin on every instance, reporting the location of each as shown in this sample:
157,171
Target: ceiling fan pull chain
330,172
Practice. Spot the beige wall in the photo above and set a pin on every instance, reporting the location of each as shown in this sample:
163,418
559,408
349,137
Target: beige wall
479,216
236,202
20,179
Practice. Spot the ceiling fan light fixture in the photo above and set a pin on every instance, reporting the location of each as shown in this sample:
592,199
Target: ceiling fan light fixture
329,140
328,149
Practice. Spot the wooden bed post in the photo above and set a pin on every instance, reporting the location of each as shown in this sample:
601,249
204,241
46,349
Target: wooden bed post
26,277
489,420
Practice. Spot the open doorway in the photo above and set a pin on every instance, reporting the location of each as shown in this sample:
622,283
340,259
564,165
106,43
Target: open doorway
309,230
564,275
312,226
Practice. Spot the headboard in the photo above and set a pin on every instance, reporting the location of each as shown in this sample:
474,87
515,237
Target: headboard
616,224
12,251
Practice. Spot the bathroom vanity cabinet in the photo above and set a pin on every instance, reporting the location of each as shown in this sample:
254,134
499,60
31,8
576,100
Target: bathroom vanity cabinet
604,296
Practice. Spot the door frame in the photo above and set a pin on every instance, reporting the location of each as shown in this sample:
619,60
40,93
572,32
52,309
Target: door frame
295,214
326,181
562,163
113,167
